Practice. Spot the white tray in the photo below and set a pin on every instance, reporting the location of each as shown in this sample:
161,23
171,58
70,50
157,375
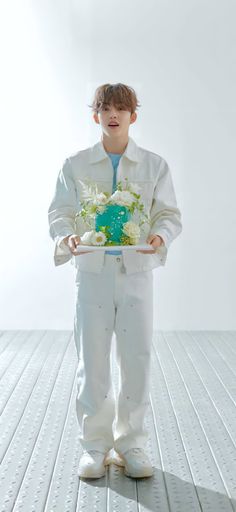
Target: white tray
82,247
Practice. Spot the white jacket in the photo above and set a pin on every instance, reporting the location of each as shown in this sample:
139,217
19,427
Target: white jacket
149,170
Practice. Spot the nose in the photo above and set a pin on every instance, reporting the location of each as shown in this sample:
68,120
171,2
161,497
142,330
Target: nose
113,112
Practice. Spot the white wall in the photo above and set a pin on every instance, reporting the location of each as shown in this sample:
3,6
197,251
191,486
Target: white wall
180,59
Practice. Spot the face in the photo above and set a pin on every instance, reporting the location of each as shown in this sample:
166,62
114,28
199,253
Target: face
116,115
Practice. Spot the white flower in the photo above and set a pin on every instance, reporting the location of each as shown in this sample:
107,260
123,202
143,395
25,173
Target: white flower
134,187
100,198
98,238
122,197
86,237
132,230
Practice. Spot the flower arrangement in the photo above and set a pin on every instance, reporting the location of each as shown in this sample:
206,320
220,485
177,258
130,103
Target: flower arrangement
124,202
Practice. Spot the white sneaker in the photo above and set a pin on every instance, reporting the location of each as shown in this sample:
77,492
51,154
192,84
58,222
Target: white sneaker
92,464
136,463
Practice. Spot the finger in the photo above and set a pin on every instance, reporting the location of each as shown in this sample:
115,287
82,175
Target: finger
146,252
75,238
76,250
73,247
150,239
84,252
71,244
75,242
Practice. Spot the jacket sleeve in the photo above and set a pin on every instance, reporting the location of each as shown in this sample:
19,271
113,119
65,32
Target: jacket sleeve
164,213
61,213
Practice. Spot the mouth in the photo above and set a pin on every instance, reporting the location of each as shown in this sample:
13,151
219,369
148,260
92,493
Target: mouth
113,125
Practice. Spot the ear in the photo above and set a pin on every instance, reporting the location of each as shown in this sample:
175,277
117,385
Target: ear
96,118
133,117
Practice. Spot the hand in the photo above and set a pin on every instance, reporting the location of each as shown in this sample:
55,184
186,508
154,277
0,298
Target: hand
73,241
155,241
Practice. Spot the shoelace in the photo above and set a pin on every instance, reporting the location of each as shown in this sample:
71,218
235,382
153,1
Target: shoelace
137,450
93,451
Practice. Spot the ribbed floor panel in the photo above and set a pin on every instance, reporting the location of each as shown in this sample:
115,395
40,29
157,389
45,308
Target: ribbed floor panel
191,424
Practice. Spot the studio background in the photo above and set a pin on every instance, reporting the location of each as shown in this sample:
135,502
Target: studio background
180,59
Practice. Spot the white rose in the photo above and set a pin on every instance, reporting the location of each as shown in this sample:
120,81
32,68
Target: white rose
122,197
100,199
86,238
131,230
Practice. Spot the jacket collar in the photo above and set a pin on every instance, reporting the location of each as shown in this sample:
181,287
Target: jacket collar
97,152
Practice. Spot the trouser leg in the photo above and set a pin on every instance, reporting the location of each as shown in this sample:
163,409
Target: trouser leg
93,329
134,332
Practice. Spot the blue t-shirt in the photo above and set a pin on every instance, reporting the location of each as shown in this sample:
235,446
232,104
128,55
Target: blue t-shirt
115,158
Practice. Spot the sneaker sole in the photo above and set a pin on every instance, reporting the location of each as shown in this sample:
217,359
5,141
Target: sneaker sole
107,461
144,474
84,475
119,461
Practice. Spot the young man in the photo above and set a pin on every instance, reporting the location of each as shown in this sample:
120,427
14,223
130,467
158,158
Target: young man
114,288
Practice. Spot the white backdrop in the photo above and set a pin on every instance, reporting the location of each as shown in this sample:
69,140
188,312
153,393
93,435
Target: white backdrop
180,59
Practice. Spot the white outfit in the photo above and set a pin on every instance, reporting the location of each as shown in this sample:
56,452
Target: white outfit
113,294
106,302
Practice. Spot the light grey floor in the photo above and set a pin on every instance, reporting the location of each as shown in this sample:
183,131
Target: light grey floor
191,424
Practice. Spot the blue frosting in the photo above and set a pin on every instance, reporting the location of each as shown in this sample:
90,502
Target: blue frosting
113,216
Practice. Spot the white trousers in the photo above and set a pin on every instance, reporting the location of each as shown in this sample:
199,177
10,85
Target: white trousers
107,302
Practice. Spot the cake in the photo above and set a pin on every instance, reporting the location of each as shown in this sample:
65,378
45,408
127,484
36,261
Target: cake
114,217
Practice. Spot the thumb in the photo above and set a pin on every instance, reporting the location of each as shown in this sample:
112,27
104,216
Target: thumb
76,241
150,239
73,241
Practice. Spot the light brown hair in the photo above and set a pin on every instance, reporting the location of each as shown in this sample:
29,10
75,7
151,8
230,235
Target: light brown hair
118,94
